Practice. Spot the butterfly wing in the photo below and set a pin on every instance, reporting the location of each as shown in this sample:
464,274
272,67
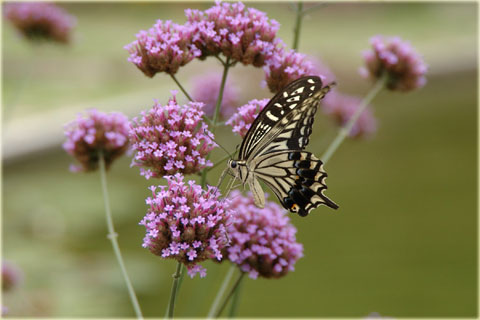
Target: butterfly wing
285,122
296,177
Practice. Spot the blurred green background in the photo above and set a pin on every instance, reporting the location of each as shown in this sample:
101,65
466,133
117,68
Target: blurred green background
403,243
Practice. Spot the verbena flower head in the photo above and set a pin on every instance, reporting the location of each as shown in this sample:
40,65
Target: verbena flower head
98,131
263,241
243,34
186,223
40,21
285,66
405,68
11,276
170,139
342,107
243,118
206,88
163,48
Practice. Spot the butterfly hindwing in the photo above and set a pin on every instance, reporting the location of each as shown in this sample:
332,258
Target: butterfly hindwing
286,120
297,178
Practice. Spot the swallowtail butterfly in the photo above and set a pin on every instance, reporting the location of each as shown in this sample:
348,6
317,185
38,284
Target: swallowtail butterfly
272,150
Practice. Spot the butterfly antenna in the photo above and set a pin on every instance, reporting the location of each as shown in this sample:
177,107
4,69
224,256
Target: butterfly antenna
218,144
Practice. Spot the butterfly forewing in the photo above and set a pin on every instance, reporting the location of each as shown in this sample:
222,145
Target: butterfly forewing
280,118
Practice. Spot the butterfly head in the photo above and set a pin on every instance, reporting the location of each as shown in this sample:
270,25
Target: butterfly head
232,164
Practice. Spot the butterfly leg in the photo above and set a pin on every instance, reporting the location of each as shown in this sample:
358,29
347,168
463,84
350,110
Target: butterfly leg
222,177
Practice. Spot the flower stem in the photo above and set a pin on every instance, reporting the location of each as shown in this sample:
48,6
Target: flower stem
220,93
181,87
221,292
345,130
298,25
234,288
112,235
226,66
173,293
234,306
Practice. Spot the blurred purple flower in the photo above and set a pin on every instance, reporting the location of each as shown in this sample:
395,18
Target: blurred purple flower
285,66
243,34
263,241
170,139
11,276
405,68
243,118
206,88
40,21
342,107
98,131
163,48
186,223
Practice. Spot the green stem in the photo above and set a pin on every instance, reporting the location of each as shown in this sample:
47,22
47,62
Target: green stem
234,288
234,306
345,130
181,87
298,25
220,94
112,235
173,293
226,66
221,292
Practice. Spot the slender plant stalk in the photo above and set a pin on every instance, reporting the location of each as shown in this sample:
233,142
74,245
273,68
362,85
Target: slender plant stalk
220,93
226,66
181,87
345,130
234,305
298,25
173,294
234,288
112,235
221,292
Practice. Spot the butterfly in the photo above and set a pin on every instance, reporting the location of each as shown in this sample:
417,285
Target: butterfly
272,150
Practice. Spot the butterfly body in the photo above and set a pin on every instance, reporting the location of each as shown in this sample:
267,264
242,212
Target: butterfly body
272,150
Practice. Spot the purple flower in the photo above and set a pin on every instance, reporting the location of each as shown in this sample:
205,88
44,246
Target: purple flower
263,241
98,131
342,107
243,119
163,48
206,88
405,68
242,34
171,138
11,276
40,21
186,223
285,66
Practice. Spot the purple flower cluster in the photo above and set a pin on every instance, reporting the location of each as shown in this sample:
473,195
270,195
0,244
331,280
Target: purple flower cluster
263,241
40,21
243,119
98,131
163,48
186,223
243,34
170,139
342,107
285,66
206,88
11,276
405,68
